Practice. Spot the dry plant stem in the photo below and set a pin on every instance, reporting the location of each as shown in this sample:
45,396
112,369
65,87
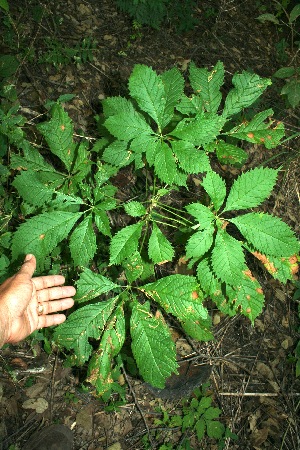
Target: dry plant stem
138,406
52,384
258,394
288,427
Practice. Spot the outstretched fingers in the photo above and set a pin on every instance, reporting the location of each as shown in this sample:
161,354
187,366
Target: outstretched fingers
50,320
55,293
48,281
45,308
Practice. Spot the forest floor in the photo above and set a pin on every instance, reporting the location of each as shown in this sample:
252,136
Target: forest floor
252,378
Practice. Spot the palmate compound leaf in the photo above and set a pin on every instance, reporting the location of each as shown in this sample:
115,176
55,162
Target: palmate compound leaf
83,242
40,234
246,297
259,132
147,88
267,234
248,87
152,345
174,85
200,242
160,249
215,187
112,340
87,322
251,188
58,133
207,85
125,242
91,285
190,159
228,259
179,295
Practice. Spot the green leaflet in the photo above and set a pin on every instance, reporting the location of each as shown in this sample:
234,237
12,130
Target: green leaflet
251,188
137,267
118,154
267,234
227,258
40,234
164,163
43,189
198,329
58,133
125,126
201,130
230,154
247,297
112,340
199,243
212,287
248,87
82,165
117,105
91,285
83,242
135,209
190,159
160,249
152,345
256,131
202,214
32,160
147,88
190,106
178,295
215,187
146,143
207,85
42,186
102,222
87,322
173,85
124,243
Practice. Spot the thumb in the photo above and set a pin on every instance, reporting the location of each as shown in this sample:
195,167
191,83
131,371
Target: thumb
28,266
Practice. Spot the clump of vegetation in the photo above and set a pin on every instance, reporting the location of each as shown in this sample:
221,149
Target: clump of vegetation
166,136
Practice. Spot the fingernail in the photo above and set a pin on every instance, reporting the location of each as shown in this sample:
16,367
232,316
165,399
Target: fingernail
28,257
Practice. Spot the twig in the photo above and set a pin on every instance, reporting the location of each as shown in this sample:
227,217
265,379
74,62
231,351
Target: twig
258,394
138,407
52,382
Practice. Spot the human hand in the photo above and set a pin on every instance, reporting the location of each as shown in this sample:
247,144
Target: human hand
27,304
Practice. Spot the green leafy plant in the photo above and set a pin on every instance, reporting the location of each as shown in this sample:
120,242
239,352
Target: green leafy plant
59,54
166,136
198,417
291,89
152,13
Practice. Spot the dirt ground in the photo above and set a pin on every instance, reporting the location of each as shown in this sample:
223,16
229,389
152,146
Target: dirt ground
251,378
